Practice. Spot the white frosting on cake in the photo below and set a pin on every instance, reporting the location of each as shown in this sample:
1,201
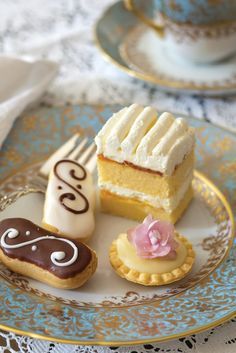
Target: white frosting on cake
168,204
70,200
136,135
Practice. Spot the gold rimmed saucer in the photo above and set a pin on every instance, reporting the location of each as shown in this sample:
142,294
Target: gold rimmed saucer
118,34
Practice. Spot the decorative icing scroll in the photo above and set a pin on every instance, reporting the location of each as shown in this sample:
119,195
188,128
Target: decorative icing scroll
75,193
56,256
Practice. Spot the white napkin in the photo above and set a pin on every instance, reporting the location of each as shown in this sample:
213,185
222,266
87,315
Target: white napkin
22,81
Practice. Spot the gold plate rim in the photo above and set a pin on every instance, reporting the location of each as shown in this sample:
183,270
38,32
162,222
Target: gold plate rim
159,339
162,83
120,343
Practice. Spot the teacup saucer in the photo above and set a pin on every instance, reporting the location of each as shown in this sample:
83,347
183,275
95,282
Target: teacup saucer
144,52
137,50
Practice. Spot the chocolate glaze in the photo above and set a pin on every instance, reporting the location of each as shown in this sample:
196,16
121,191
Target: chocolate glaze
42,255
71,195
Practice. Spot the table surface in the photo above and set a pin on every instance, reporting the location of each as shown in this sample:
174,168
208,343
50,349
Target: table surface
63,31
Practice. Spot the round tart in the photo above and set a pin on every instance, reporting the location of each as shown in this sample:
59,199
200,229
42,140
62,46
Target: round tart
152,254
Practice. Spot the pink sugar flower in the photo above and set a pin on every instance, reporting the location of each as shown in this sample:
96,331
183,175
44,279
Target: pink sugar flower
153,239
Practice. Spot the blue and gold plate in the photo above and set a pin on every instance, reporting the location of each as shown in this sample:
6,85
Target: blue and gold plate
108,310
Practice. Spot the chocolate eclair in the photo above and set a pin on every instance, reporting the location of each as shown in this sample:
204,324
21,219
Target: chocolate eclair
32,251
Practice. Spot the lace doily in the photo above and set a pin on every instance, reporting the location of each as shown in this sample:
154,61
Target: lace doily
62,30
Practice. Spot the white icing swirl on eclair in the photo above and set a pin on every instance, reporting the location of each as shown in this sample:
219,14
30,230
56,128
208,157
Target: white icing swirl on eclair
56,256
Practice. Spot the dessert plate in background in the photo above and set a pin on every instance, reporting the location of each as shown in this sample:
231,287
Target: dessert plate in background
105,310
138,51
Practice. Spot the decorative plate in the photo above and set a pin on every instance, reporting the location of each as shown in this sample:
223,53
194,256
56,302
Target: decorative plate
137,50
109,310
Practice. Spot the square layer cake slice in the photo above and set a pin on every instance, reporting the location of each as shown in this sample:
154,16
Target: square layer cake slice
145,164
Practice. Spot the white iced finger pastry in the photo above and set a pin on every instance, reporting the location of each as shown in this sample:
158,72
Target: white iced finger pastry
136,135
70,200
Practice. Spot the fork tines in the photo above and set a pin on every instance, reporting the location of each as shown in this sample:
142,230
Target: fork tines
74,149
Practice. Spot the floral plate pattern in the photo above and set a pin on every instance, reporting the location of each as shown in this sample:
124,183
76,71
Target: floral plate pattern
211,241
210,302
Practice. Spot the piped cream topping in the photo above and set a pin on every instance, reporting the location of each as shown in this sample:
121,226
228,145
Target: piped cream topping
135,134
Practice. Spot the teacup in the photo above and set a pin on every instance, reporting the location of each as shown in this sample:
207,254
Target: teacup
200,31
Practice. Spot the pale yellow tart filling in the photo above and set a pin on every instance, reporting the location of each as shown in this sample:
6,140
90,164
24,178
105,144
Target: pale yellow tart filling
158,271
128,256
